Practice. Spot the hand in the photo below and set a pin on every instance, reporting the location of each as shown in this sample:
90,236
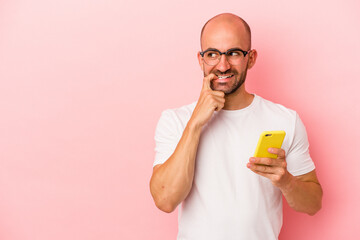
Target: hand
273,169
209,101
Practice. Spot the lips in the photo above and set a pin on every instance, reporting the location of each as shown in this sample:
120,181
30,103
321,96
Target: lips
224,76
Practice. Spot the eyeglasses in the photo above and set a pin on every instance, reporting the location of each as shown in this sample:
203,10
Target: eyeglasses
212,56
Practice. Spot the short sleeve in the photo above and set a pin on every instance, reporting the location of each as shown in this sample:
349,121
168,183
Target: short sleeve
298,157
167,136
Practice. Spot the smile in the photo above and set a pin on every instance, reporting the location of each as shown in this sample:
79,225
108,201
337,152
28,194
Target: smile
224,77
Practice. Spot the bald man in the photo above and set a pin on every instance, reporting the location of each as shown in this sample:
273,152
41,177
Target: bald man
204,150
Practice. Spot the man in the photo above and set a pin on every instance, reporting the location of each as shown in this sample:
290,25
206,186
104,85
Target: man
204,150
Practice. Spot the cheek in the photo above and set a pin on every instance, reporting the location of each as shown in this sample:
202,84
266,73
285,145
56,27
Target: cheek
207,69
239,69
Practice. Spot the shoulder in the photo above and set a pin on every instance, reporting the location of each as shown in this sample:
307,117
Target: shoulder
275,109
181,114
176,117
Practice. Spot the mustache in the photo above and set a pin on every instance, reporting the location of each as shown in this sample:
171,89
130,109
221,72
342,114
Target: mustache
217,73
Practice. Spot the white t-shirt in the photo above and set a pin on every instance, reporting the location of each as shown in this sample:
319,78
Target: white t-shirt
228,200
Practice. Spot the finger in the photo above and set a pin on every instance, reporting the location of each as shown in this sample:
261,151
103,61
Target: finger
207,80
219,99
263,161
273,162
261,168
219,103
278,151
219,107
267,175
218,93
272,177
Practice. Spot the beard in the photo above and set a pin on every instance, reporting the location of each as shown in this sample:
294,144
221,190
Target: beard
239,81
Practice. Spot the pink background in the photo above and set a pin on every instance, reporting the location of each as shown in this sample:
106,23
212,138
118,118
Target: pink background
83,84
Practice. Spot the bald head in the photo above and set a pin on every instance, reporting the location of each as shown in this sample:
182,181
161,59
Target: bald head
230,22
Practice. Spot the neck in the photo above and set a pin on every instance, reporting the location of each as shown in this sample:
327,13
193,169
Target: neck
238,99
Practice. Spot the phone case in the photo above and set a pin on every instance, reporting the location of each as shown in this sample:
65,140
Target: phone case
269,139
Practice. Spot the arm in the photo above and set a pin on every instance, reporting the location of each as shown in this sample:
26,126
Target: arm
171,181
303,193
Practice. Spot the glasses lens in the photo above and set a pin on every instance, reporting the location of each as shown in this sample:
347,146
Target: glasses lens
234,57
211,57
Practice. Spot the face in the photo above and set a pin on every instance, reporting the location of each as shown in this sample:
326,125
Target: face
229,77
223,37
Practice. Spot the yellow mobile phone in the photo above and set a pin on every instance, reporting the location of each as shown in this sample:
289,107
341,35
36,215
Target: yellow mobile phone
269,139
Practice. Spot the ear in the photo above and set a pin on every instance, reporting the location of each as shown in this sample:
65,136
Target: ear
252,58
201,61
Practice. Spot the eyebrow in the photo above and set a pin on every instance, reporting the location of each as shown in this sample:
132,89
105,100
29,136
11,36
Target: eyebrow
231,49
211,49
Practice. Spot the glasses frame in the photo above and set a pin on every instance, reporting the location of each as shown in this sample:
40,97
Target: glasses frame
221,53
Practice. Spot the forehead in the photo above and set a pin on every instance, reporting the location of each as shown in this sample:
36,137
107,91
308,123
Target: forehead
224,35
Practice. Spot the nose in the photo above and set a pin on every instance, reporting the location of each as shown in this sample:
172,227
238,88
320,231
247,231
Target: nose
223,64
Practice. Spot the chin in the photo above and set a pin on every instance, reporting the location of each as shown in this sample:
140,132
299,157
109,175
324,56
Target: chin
223,88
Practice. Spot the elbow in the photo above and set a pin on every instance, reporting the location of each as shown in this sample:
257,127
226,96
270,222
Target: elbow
312,213
162,201
165,206
315,210
317,204
317,207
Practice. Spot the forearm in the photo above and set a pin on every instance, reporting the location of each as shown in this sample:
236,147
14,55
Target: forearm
172,181
303,196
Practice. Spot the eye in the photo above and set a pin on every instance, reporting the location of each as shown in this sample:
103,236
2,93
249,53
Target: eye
211,54
233,53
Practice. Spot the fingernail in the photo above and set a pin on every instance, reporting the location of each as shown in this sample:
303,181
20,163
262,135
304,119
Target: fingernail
252,159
